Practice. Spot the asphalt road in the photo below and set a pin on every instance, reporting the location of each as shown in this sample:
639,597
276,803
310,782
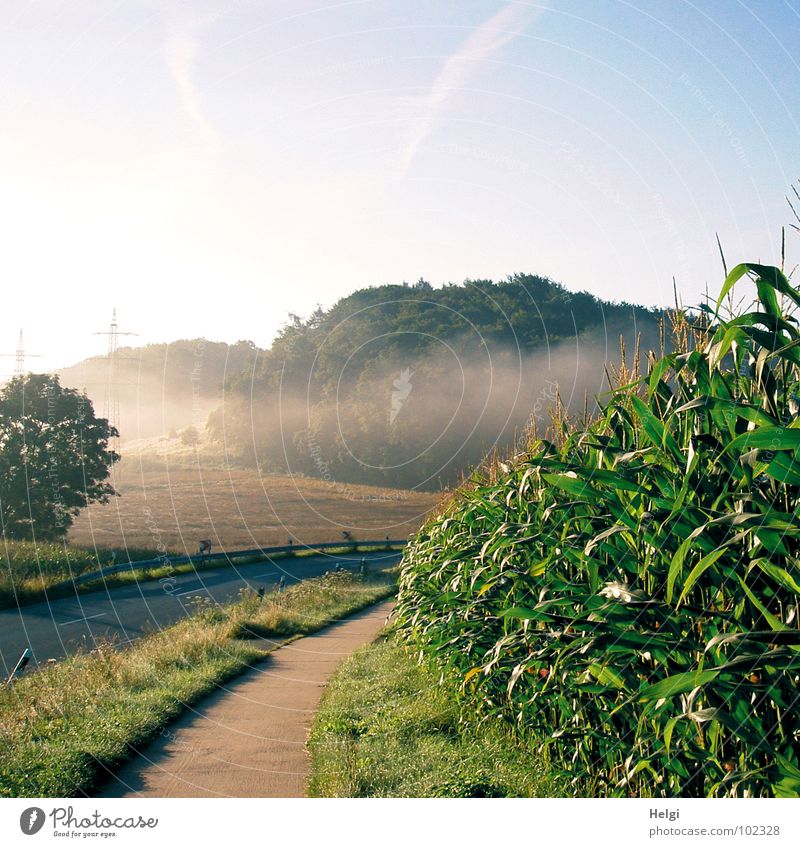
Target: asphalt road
54,630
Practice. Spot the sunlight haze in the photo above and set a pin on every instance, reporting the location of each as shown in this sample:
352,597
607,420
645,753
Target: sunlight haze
209,167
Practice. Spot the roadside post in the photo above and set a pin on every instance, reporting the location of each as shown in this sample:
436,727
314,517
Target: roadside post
20,666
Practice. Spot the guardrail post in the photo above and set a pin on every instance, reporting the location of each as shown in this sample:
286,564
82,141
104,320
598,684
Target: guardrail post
20,666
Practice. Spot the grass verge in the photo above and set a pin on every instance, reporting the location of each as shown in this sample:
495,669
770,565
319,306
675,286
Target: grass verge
28,571
21,585
66,727
390,727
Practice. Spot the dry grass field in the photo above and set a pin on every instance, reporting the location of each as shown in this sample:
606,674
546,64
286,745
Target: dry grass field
173,508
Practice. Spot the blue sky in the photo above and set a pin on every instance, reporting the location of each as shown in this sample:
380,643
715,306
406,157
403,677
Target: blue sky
208,167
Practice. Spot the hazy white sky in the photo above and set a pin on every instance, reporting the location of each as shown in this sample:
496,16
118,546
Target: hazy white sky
208,166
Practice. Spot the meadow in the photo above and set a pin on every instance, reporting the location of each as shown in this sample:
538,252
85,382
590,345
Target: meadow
172,508
167,511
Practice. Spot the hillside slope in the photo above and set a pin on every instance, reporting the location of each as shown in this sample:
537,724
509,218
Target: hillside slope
161,387
406,386
409,385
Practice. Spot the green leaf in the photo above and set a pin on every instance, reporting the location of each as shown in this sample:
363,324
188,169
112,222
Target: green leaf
676,565
668,730
740,410
781,576
607,533
784,468
654,428
768,616
570,484
733,277
766,438
520,613
697,571
677,684
770,277
607,676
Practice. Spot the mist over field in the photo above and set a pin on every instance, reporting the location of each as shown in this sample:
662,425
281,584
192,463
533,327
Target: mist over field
400,386
421,423
160,389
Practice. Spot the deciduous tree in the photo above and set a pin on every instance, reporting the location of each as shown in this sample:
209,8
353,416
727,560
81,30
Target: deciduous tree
54,457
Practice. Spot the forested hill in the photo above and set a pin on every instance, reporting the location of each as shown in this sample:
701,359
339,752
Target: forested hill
161,387
409,385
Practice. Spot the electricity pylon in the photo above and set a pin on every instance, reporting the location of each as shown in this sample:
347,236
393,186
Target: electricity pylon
111,398
19,356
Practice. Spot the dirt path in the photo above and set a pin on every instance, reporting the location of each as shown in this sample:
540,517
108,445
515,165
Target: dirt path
248,740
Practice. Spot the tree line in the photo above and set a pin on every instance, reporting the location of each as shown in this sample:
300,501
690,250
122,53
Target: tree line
410,385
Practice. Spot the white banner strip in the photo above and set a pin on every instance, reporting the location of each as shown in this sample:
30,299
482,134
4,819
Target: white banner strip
562,823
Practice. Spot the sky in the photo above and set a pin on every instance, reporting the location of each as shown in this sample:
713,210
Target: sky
209,167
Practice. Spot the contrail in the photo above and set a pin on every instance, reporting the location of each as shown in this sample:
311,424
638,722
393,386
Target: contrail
483,42
180,50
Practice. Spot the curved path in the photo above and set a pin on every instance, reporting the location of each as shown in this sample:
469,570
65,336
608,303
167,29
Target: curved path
248,739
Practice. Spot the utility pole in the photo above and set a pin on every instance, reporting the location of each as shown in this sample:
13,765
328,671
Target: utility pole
111,400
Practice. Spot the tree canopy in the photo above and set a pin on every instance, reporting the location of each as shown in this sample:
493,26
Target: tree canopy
409,385
54,457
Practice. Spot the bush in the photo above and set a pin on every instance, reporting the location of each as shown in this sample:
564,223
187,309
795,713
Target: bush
628,591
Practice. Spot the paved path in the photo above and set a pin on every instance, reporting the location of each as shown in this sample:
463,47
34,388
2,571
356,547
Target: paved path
56,629
248,740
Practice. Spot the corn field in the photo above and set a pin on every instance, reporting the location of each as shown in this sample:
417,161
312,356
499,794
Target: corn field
627,589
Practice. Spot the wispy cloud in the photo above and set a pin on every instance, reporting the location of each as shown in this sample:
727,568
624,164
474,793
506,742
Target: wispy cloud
180,50
482,43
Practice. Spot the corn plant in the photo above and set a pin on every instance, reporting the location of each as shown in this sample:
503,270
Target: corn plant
630,591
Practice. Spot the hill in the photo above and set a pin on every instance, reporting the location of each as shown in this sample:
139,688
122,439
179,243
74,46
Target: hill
161,388
405,386
409,386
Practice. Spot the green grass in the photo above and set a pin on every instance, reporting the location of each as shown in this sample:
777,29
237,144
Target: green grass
64,727
390,727
35,573
29,570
